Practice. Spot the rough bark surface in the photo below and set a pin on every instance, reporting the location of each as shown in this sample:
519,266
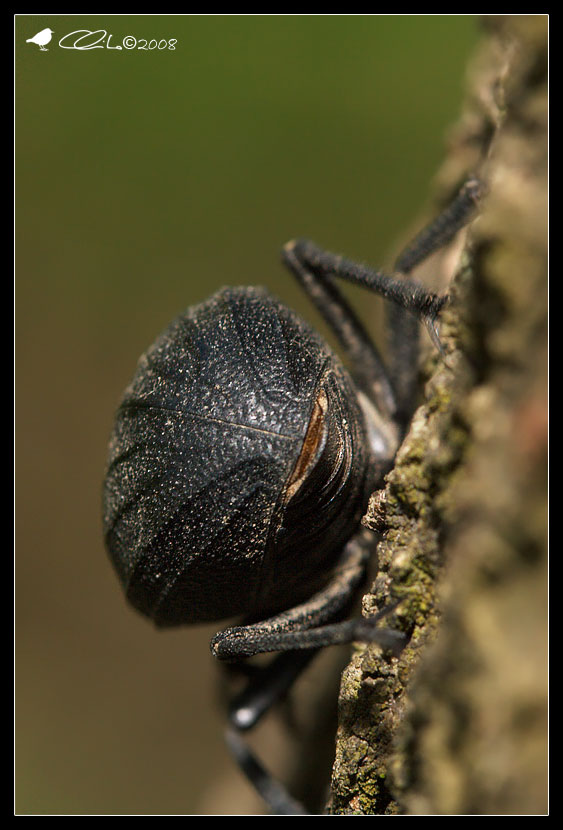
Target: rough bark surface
458,724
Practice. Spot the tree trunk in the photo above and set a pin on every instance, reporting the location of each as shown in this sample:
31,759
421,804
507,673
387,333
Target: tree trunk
458,724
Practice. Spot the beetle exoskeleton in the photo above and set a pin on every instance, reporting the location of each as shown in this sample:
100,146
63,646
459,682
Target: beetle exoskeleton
238,465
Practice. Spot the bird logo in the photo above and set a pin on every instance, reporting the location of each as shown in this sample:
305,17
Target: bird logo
42,38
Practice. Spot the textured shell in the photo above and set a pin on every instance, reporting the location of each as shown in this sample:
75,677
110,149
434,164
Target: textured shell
205,440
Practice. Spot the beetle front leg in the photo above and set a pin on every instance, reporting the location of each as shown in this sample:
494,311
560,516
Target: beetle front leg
443,228
409,295
316,269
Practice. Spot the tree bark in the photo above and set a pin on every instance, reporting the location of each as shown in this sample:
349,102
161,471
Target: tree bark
458,724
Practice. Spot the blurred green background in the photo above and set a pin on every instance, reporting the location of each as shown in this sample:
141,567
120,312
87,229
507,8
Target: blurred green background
145,180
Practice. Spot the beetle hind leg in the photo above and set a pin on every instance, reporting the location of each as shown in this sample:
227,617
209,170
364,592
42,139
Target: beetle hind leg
300,631
315,623
297,634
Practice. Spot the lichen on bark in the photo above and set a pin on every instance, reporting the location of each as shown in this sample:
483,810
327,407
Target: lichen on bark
457,724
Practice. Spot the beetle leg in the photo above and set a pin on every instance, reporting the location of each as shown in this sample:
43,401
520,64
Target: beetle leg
246,641
272,791
333,600
402,327
316,269
311,625
268,685
443,228
369,369
409,295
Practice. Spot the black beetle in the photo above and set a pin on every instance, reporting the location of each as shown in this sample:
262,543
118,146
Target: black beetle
243,456
208,501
